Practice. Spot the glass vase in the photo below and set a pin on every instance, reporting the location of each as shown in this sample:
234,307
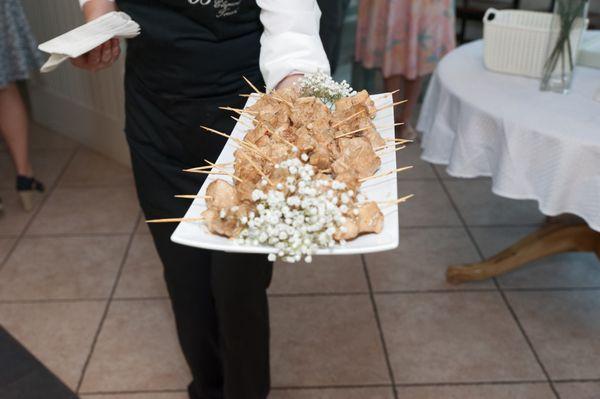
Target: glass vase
569,21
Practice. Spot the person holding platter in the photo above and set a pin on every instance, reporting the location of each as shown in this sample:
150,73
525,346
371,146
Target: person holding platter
189,61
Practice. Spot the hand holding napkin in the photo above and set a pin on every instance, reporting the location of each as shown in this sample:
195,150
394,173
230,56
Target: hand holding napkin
87,37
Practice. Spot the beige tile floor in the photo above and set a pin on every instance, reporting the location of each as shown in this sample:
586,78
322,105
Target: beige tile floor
81,287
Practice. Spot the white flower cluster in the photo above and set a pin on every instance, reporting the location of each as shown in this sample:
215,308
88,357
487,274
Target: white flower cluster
299,215
322,86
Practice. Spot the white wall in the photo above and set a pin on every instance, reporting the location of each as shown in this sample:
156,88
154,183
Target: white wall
86,107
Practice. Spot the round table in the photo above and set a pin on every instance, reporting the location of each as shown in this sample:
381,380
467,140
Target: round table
534,145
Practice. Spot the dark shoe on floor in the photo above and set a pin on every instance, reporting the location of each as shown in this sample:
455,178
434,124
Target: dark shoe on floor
27,187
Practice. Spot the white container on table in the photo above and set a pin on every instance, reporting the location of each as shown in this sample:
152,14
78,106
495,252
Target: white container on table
516,42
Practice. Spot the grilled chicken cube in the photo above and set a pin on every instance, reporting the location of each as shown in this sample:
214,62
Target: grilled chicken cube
350,178
356,155
221,194
370,218
347,231
307,110
254,135
357,102
320,158
244,190
374,138
228,226
305,142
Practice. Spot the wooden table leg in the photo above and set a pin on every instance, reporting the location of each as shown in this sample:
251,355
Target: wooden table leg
557,236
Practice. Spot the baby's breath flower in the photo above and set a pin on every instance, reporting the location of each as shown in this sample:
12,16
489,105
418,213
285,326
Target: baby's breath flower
322,86
296,224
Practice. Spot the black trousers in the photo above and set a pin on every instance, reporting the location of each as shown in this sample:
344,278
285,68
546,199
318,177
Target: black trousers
219,299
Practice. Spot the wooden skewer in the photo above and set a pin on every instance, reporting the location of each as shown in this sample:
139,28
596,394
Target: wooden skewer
383,154
264,125
352,132
251,85
394,92
253,120
258,169
216,132
238,120
175,220
238,110
391,105
207,172
389,127
242,143
289,104
385,173
387,146
401,141
222,165
279,135
397,201
289,143
186,196
246,95
348,118
247,143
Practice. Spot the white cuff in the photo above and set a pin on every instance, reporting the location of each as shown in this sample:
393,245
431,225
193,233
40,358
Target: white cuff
82,2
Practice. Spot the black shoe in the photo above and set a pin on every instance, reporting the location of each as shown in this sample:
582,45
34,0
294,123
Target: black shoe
27,187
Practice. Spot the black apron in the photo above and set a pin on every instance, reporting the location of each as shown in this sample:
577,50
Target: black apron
188,61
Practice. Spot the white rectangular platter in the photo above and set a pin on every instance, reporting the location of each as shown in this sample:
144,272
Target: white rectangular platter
195,234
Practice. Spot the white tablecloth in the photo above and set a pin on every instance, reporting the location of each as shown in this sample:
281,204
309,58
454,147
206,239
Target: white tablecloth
534,145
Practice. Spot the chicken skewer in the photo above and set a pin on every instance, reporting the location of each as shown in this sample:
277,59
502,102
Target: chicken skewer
391,105
175,220
389,172
193,196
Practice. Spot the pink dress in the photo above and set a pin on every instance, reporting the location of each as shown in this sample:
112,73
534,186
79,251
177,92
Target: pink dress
404,37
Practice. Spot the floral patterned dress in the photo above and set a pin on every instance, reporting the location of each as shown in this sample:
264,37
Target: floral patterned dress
404,37
18,49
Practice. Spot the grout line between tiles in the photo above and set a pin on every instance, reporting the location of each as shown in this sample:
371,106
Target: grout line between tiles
359,386
96,185
51,300
308,294
477,226
76,235
527,339
108,303
575,380
500,290
388,363
133,392
39,207
470,384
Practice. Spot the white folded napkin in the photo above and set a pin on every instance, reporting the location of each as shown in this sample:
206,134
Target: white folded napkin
87,37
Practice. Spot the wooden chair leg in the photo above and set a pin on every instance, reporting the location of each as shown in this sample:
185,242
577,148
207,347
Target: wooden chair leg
551,239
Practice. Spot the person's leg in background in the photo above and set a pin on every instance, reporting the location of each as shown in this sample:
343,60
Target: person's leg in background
410,90
14,127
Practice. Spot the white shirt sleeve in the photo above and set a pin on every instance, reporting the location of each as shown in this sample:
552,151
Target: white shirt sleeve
82,2
290,42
